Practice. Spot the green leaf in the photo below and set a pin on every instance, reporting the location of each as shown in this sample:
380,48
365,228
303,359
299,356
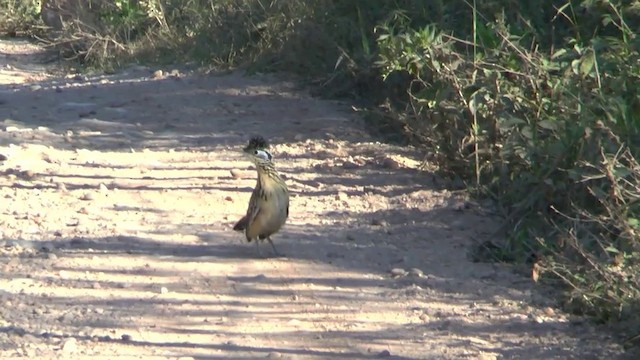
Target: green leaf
473,105
634,223
587,64
599,193
428,93
574,175
487,36
621,172
559,53
468,91
611,249
509,121
575,65
548,124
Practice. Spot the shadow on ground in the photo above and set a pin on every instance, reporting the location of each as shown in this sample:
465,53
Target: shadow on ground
120,200
134,111
204,303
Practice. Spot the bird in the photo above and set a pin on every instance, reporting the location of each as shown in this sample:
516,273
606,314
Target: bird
268,208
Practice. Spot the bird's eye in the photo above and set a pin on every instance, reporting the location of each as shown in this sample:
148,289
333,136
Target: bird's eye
256,152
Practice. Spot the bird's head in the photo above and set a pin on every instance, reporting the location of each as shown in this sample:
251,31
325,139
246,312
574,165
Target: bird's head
257,150
260,156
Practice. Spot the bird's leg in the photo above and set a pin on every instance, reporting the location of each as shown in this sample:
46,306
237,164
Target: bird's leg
275,251
258,247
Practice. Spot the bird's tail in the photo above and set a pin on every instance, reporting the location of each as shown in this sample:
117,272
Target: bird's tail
241,225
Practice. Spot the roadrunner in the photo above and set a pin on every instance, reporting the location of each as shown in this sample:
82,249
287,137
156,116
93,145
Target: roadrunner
269,204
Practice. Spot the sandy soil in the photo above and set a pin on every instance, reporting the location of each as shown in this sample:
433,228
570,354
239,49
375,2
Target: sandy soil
118,194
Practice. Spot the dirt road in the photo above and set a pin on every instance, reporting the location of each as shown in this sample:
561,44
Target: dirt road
118,194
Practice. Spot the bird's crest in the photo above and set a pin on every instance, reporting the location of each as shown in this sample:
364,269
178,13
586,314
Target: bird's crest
257,143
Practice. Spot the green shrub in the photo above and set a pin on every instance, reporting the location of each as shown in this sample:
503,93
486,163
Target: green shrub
19,17
551,135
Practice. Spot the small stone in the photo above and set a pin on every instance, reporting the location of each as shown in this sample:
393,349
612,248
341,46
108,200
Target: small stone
57,233
416,272
27,175
36,87
125,337
350,165
62,186
378,222
52,256
103,188
158,74
228,198
389,163
397,272
83,210
384,354
235,174
87,196
164,290
70,345
549,311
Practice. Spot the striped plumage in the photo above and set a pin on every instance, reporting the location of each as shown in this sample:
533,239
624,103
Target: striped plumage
269,204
